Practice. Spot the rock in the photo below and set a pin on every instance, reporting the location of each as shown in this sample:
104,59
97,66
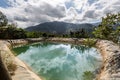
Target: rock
111,60
23,72
14,65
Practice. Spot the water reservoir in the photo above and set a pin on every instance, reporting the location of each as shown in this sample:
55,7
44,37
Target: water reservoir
58,61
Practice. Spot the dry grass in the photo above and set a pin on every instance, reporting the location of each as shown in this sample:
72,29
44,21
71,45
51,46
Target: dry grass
11,68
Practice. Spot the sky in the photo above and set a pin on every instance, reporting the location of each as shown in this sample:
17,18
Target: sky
26,13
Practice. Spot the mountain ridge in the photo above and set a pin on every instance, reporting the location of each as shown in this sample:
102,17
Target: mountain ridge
60,27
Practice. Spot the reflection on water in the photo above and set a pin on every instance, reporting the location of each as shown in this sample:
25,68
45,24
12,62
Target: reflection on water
60,61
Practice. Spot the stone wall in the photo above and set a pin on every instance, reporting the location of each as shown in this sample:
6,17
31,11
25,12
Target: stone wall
110,52
17,68
111,60
7,56
31,40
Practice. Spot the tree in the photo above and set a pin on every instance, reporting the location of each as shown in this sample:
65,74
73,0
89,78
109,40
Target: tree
71,34
84,34
3,20
44,34
12,32
116,35
81,33
19,33
108,29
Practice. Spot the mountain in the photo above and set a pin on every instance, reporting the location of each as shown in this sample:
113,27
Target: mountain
60,27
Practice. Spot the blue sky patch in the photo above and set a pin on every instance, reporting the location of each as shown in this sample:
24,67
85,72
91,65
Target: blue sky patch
3,3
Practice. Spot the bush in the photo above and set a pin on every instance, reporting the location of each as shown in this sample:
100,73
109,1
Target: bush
11,68
88,75
89,42
109,28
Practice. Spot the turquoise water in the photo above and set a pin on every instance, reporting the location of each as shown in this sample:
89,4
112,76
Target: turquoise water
53,61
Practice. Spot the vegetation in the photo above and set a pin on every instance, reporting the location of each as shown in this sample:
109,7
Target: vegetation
109,28
12,32
88,75
3,20
89,42
79,34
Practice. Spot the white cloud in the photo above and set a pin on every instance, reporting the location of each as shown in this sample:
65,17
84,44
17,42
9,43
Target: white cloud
31,12
95,9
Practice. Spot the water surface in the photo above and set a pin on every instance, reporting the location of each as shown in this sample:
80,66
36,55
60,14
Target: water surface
53,61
